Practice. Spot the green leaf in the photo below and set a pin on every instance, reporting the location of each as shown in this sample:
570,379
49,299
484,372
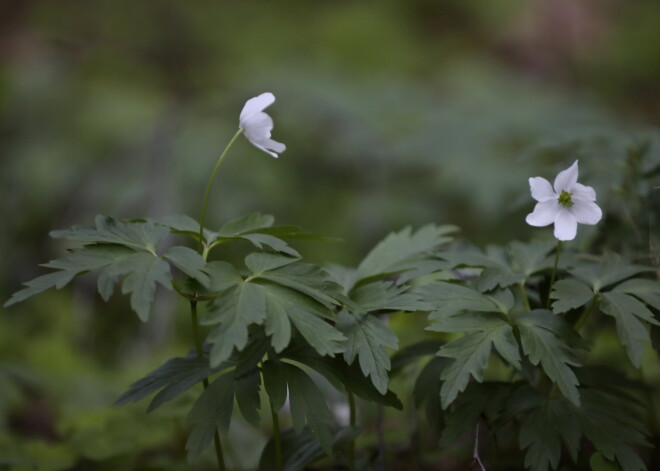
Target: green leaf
138,235
259,263
342,376
629,314
544,347
532,257
449,298
613,425
471,353
182,224
213,409
598,462
646,290
570,294
544,428
222,276
611,269
308,279
246,224
306,316
233,312
80,261
382,295
398,247
496,263
174,377
368,339
301,450
308,406
189,262
427,391
278,245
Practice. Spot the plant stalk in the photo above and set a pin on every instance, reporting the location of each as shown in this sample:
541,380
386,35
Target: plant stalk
207,192
554,273
205,381
277,438
585,314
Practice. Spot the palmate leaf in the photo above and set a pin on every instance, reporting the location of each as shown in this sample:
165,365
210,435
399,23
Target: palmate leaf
613,426
308,406
368,340
646,290
213,409
121,251
390,255
547,422
611,269
171,379
385,296
446,299
630,315
570,294
542,342
471,353
277,295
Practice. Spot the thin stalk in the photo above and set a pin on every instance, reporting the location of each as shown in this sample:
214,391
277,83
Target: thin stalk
353,422
475,454
279,460
523,293
205,381
554,273
207,192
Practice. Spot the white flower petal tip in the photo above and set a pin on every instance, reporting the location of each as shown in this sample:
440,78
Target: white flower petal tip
257,125
567,203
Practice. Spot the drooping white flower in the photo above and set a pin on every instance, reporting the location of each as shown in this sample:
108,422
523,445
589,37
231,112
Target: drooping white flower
257,125
566,203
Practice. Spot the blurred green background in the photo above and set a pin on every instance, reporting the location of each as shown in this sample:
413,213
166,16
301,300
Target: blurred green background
394,113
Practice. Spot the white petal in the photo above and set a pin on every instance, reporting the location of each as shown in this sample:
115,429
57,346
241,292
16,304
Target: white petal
257,126
264,149
544,214
566,178
586,212
256,105
274,145
584,192
541,189
565,225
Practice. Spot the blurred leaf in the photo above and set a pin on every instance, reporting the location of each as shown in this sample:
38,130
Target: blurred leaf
646,290
610,270
446,299
629,314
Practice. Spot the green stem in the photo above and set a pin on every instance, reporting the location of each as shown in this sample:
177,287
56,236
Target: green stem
353,422
205,381
585,314
554,273
279,460
523,293
208,189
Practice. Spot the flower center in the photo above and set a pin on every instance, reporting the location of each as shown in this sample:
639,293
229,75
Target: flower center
565,199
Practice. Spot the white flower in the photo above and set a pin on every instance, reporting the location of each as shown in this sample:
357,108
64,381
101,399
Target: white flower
568,204
257,125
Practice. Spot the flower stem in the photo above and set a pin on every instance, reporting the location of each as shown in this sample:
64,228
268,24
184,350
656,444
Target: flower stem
205,381
353,422
279,460
554,273
208,189
523,293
